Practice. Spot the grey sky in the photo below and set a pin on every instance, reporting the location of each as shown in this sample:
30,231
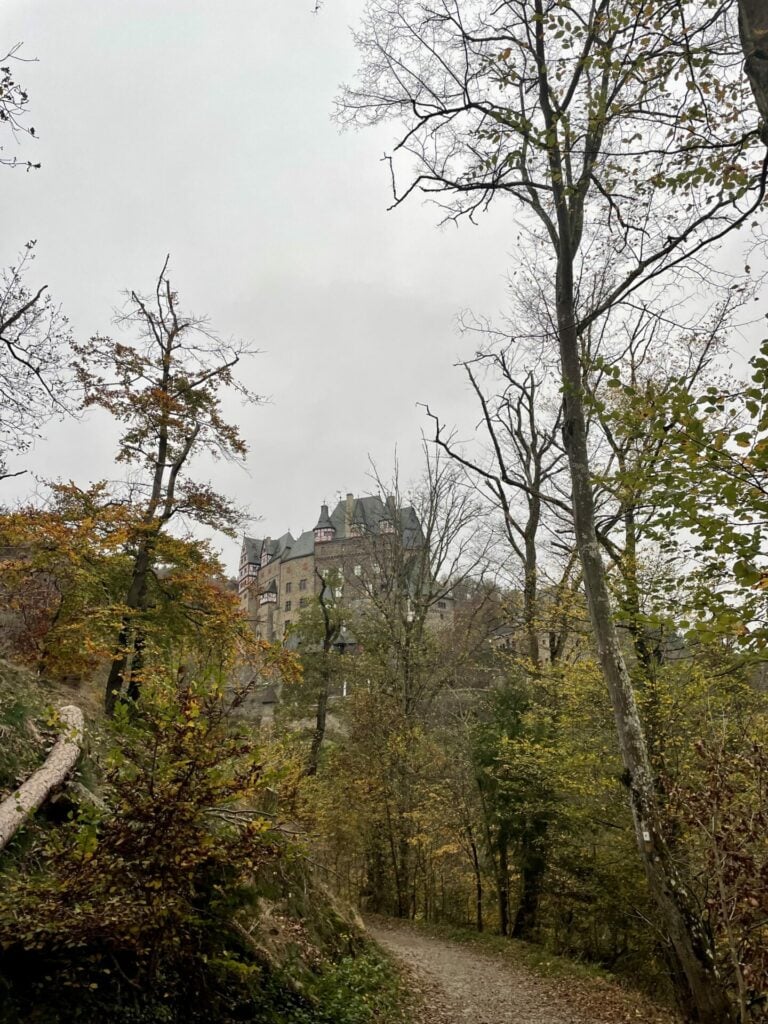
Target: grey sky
203,129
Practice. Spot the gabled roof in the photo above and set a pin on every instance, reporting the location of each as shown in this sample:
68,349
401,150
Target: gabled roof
367,516
345,638
410,527
369,512
305,545
275,548
252,549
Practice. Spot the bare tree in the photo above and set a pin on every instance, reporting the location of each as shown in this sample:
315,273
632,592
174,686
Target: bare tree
522,471
36,381
427,546
14,100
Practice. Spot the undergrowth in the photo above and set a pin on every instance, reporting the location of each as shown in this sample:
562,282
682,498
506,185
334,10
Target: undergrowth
537,958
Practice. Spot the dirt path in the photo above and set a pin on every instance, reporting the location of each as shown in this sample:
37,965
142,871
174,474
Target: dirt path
461,985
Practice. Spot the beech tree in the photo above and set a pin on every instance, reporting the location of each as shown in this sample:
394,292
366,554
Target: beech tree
592,116
165,386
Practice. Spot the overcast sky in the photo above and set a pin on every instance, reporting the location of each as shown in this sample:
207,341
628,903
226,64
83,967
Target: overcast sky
204,129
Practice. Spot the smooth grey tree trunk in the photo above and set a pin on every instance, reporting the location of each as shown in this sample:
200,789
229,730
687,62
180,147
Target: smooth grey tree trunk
691,945
32,794
753,29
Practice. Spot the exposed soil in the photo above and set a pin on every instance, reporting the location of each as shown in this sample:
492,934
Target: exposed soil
461,985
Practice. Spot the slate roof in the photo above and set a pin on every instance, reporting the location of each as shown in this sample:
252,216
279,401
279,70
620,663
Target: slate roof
252,549
324,522
368,514
345,638
305,545
276,548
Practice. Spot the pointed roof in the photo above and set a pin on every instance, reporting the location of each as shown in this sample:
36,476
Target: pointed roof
252,547
324,522
275,548
351,517
369,512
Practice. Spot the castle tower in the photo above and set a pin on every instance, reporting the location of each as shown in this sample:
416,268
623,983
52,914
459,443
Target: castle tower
324,530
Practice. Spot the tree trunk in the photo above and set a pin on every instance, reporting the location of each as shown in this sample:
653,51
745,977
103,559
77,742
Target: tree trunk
753,29
319,733
20,805
530,592
503,883
116,675
682,925
478,885
136,600
533,865
404,876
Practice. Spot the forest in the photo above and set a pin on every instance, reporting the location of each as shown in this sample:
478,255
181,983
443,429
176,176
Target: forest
536,724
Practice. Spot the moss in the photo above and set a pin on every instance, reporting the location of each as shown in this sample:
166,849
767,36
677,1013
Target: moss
23,717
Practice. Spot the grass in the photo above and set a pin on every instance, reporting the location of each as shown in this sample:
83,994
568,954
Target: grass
536,958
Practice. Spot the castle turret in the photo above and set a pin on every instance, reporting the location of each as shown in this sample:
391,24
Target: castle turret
324,530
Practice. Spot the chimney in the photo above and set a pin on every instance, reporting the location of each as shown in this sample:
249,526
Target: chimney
348,510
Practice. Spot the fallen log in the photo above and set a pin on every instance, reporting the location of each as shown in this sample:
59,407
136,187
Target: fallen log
21,804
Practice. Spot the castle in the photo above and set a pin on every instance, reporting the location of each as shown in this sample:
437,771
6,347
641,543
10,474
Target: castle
278,578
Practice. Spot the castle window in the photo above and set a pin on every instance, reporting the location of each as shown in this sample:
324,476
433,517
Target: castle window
288,587
441,604
287,606
302,602
302,584
358,570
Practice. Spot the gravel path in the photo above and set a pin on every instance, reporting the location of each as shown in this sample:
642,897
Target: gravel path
459,985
